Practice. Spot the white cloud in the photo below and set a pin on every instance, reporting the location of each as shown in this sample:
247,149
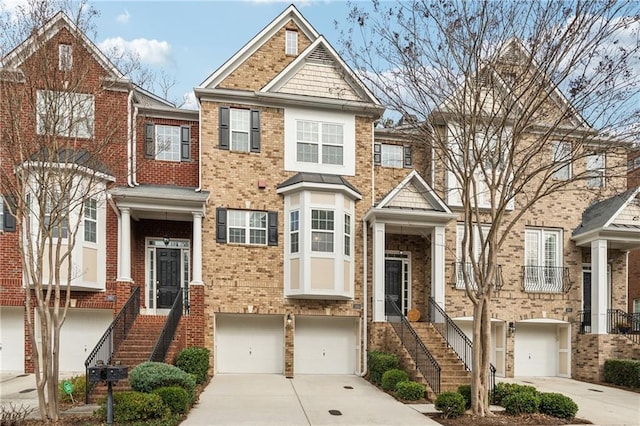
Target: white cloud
124,18
153,52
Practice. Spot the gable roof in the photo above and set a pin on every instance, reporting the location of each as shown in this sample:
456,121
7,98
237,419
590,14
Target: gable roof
290,13
60,20
318,181
616,219
321,52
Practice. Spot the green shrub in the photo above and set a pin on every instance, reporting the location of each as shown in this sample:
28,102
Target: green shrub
129,407
558,405
410,391
148,376
379,362
79,389
520,402
622,372
174,397
392,377
503,389
194,360
465,391
451,404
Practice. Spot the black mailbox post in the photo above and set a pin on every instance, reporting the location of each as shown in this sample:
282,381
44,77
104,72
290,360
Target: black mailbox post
110,374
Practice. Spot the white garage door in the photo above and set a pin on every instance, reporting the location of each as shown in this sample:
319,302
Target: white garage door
79,335
325,345
11,339
536,350
249,344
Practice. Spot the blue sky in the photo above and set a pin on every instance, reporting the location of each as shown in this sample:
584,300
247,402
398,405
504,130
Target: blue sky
189,40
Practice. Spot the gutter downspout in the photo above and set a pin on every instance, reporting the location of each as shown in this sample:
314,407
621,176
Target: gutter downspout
134,148
365,311
129,140
199,188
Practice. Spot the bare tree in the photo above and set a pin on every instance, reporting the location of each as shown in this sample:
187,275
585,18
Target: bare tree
510,95
51,152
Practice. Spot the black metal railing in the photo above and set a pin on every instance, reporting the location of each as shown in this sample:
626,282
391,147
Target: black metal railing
460,267
456,339
618,322
168,331
112,338
425,362
545,279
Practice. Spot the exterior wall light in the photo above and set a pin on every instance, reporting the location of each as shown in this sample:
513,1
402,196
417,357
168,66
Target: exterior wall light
512,328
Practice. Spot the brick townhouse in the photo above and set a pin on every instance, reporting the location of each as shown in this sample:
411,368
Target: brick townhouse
292,222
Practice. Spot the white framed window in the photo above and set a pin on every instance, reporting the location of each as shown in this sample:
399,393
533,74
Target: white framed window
167,143
240,126
65,114
1,213
477,248
291,42
392,156
543,260
633,164
595,170
294,231
636,306
319,142
561,155
56,216
65,57
347,234
247,227
322,230
91,220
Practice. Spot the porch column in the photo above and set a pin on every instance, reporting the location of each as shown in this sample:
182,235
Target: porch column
125,245
437,265
196,276
599,284
378,271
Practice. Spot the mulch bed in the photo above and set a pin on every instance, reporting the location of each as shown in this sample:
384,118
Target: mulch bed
504,419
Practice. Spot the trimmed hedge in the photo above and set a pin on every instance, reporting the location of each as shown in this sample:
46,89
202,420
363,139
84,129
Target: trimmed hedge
558,405
451,404
392,377
410,391
194,360
174,397
520,402
379,362
149,375
622,372
129,407
465,391
502,389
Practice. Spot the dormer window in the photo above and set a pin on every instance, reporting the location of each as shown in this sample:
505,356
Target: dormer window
65,57
291,42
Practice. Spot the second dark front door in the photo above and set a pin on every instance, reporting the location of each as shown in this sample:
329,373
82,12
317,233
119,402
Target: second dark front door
393,284
168,277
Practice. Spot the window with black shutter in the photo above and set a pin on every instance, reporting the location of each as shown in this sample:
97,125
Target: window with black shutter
185,143
9,221
408,158
223,142
221,225
149,140
273,228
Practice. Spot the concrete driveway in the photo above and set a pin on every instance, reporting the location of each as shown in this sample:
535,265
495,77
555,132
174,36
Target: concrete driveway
305,400
601,405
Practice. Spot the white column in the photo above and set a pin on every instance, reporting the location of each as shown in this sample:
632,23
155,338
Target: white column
599,299
125,245
196,258
437,265
378,271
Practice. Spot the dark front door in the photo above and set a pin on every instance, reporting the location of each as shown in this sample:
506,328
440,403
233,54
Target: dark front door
168,277
586,302
392,285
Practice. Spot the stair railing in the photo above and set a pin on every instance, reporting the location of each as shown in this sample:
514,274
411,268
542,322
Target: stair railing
168,331
456,339
112,338
425,362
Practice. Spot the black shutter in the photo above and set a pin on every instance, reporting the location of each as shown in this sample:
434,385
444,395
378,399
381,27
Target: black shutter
149,140
408,158
223,143
255,130
377,154
9,220
272,219
221,225
185,143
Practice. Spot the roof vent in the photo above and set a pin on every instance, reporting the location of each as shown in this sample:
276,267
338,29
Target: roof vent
320,54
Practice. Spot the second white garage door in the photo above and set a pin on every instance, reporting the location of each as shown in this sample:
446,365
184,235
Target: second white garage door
11,339
325,345
249,344
542,349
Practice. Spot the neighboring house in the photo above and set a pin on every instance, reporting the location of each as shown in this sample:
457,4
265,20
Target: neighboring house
291,222
634,255
138,229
